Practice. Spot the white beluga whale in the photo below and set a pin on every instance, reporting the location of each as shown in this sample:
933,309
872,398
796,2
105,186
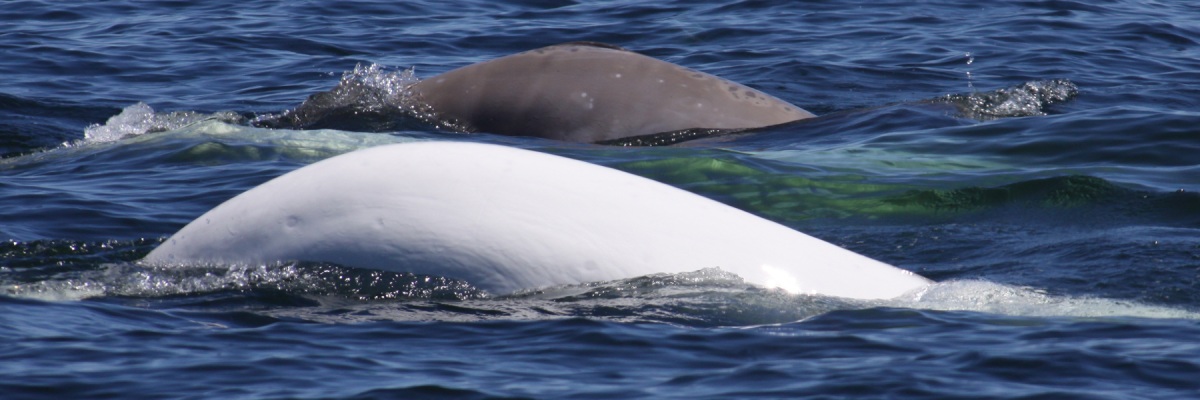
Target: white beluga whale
506,219
593,92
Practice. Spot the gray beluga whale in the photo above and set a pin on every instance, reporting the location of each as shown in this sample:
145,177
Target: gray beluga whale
591,92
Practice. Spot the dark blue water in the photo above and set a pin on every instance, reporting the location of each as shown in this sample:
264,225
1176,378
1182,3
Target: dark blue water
1040,160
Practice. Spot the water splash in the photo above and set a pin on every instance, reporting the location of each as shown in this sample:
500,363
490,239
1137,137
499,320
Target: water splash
367,98
140,119
995,298
292,279
970,60
1025,100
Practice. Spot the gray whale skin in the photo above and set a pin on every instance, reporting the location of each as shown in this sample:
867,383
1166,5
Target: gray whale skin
592,92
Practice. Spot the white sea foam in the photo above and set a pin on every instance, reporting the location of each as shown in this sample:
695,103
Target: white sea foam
140,119
996,298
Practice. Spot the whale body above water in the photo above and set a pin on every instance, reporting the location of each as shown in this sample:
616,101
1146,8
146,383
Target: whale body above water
506,219
592,92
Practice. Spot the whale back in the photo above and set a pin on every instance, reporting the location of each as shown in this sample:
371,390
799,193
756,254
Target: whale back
593,93
506,219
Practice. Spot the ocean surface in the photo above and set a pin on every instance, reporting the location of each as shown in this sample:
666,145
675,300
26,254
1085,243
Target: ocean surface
1040,160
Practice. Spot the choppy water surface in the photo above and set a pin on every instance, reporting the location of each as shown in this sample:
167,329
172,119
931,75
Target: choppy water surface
1038,159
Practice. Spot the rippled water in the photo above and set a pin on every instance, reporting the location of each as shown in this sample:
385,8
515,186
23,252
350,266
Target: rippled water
1037,159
